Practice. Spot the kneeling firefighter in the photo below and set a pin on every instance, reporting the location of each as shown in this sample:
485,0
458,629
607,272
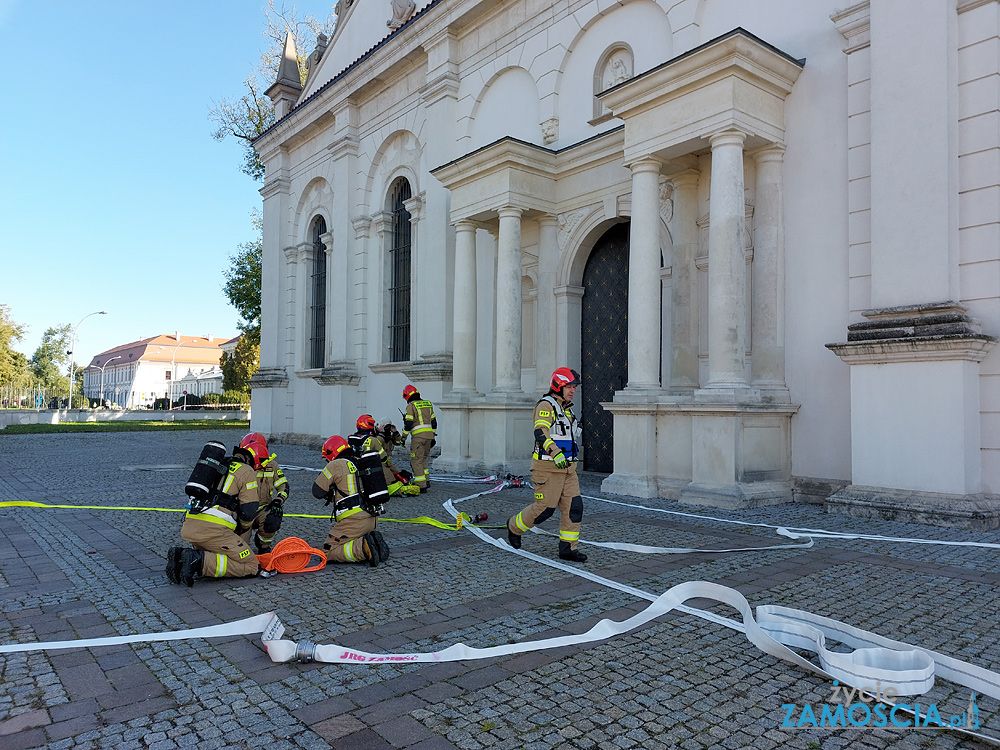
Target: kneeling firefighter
356,487
224,503
272,491
370,438
553,468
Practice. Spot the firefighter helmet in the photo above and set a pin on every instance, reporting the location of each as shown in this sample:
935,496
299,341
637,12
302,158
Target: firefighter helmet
333,447
366,422
409,391
562,377
256,446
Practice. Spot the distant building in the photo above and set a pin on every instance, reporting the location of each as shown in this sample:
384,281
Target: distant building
136,374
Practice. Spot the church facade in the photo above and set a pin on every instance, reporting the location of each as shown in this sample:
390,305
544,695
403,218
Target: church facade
767,235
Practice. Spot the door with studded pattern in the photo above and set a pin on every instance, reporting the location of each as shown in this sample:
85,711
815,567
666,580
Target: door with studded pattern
604,344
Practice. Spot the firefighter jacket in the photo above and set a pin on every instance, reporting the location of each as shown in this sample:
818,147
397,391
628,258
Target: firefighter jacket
237,501
339,483
556,429
419,419
369,440
271,481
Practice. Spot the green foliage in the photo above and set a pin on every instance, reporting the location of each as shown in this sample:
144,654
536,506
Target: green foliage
243,282
211,398
51,359
251,113
13,365
241,366
236,397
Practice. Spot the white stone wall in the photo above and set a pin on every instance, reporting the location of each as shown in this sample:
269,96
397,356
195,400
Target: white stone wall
526,68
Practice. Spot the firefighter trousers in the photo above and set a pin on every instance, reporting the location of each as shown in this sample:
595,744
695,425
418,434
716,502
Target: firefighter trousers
420,449
554,489
344,542
226,555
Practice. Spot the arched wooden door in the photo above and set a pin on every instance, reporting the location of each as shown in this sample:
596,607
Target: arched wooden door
604,342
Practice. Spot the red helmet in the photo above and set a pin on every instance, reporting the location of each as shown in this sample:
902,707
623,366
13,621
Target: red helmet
409,391
256,445
333,447
366,422
562,377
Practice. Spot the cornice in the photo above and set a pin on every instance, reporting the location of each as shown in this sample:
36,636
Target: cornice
968,347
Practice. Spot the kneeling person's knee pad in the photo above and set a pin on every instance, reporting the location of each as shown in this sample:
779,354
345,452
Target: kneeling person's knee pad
576,509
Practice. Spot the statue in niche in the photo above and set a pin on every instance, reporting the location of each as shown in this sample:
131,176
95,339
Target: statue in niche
401,12
617,69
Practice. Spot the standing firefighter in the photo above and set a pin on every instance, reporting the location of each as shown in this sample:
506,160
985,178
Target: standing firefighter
371,438
213,525
553,468
420,424
272,490
353,537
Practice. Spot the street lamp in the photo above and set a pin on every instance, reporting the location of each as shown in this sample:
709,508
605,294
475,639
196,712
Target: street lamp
72,350
102,376
173,370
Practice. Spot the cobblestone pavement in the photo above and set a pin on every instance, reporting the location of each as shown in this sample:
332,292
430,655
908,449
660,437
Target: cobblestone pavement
677,682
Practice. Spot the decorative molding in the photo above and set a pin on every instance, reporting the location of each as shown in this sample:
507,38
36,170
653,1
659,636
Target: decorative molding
979,512
973,348
382,221
967,5
339,373
362,227
666,200
291,253
444,86
269,377
431,368
275,185
415,207
402,11
346,145
550,130
569,221
854,24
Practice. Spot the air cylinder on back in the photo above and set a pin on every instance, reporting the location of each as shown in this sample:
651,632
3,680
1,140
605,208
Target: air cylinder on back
205,475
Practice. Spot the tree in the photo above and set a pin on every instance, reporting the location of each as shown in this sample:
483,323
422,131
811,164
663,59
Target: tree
51,357
238,368
243,281
13,364
247,116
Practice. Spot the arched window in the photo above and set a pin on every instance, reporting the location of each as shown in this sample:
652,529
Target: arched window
317,301
399,273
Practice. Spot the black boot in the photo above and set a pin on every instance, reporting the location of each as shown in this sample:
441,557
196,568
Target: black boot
370,546
383,547
191,565
174,564
514,540
573,555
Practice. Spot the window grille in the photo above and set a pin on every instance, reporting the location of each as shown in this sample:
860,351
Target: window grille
317,338
399,262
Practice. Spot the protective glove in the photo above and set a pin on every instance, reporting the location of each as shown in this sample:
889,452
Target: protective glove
279,499
560,460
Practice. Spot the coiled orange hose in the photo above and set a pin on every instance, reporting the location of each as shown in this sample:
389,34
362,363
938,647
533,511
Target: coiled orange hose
292,555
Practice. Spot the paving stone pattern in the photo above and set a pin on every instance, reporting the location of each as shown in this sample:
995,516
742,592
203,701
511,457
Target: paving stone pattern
679,682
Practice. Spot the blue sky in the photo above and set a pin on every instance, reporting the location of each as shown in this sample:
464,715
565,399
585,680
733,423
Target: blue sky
113,194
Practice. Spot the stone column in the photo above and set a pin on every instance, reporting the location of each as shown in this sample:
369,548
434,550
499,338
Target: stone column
464,351
684,297
767,362
304,313
334,338
509,301
644,277
548,263
726,264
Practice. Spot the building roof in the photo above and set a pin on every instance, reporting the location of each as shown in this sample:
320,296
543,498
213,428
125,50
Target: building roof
191,350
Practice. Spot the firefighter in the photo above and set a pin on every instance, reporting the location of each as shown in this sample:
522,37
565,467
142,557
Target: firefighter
553,468
272,489
353,537
217,550
370,438
420,424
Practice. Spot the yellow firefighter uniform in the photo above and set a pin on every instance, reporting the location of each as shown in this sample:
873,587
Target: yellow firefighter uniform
420,424
349,539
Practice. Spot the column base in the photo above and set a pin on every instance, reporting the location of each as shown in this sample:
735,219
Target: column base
737,496
975,512
630,484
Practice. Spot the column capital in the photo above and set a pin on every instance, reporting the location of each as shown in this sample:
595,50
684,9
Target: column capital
306,252
509,212
382,221
645,164
362,225
727,138
291,253
687,178
568,291
769,153
327,239
466,225
547,220
415,207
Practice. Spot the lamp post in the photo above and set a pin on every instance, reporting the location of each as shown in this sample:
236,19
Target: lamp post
102,376
173,371
72,351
